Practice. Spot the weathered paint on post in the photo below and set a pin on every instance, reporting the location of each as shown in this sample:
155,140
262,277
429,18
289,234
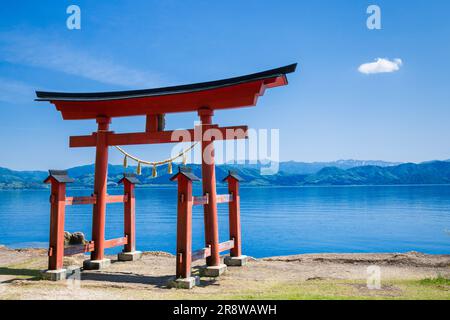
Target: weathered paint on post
184,227
58,206
129,216
209,188
235,216
100,189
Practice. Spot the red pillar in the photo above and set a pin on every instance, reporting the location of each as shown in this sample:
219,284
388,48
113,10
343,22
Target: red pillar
58,206
235,217
129,216
184,227
209,187
100,189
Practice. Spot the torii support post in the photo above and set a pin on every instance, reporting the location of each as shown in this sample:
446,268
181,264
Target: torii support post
98,260
129,252
236,258
184,280
58,180
214,267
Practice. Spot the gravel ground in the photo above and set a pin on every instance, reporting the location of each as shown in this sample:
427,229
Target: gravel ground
148,278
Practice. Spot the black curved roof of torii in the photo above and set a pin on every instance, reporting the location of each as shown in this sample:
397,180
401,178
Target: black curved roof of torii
93,96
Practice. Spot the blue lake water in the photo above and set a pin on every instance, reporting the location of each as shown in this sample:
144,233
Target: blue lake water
275,221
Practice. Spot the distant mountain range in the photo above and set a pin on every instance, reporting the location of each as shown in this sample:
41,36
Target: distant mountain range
343,172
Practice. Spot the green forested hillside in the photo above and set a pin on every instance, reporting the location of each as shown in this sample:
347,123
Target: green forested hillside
434,172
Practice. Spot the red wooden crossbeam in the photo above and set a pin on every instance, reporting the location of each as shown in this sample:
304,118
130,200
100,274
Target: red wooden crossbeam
201,254
122,139
89,247
201,200
224,198
75,249
117,199
221,198
116,242
206,252
225,246
70,201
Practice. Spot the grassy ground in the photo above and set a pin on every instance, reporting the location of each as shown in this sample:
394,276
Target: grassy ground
426,289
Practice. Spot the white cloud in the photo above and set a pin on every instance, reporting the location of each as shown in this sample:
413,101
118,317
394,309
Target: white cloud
12,91
53,54
381,66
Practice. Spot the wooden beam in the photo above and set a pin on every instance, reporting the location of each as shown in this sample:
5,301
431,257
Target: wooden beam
224,198
116,199
136,138
151,123
71,201
206,252
83,141
200,200
201,254
234,209
116,242
225,246
57,213
129,215
80,248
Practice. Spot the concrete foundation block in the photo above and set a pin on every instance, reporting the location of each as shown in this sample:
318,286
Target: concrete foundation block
96,264
129,256
236,261
184,283
214,271
54,275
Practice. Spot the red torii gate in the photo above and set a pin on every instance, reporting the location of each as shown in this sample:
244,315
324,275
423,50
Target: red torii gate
203,98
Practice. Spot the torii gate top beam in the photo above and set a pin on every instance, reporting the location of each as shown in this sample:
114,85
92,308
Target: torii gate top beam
222,94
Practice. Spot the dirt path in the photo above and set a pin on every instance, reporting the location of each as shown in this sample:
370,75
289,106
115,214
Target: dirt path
301,276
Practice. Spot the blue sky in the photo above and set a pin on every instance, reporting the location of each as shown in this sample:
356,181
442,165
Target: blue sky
329,111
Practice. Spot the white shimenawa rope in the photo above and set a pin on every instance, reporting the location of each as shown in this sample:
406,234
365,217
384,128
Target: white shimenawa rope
154,164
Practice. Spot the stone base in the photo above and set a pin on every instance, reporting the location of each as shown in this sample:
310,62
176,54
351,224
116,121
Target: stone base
54,275
214,271
235,261
184,283
129,256
71,270
96,264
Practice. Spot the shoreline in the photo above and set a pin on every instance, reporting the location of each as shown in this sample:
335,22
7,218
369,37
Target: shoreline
244,186
37,248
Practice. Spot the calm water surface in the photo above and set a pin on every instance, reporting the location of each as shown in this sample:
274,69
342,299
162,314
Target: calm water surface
275,221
